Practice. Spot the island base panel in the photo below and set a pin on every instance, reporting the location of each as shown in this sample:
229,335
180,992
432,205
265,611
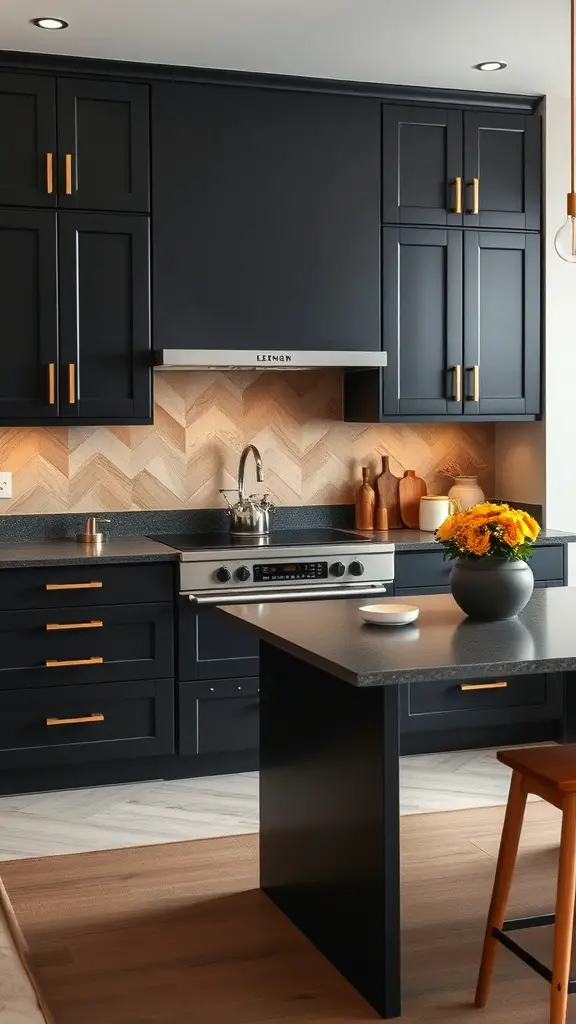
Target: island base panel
329,818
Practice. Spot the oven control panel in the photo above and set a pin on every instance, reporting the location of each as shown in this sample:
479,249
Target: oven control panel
273,572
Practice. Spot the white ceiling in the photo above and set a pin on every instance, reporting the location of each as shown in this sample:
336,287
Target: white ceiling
419,42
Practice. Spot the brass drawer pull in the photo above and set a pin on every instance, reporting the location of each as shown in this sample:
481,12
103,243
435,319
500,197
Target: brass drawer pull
484,686
71,383
77,661
51,384
457,196
457,393
68,173
475,186
75,721
475,383
73,586
94,624
49,173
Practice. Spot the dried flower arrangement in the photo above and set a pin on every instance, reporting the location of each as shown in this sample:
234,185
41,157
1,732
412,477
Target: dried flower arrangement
462,464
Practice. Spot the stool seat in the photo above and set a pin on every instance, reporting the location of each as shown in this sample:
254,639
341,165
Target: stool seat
553,766
549,772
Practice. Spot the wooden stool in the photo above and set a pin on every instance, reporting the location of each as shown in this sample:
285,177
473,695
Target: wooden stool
549,772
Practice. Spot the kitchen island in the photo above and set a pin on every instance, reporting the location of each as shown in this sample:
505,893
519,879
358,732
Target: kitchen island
329,755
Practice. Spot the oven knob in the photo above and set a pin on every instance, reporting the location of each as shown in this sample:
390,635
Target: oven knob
242,573
337,569
223,574
356,568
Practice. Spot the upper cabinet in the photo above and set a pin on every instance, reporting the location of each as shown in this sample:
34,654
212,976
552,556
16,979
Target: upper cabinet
103,145
28,134
454,168
266,219
74,143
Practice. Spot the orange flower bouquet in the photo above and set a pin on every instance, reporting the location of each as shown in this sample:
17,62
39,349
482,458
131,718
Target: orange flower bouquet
491,578
489,531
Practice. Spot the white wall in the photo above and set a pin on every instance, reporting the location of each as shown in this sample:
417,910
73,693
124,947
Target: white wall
536,462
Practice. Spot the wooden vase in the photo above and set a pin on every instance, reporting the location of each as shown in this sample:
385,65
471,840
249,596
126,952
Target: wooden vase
365,503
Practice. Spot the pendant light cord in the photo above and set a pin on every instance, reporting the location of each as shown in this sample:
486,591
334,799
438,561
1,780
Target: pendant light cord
572,97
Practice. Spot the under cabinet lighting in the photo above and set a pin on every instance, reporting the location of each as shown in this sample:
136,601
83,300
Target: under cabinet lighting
491,65
52,24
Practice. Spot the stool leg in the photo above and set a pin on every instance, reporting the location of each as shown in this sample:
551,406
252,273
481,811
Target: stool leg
565,894
502,883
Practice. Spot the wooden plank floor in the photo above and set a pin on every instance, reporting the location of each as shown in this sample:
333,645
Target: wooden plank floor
176,933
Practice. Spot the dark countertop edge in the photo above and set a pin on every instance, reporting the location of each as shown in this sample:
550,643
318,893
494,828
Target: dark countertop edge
555,537
103,559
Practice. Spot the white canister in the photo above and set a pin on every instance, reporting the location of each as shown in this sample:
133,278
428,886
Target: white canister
434,509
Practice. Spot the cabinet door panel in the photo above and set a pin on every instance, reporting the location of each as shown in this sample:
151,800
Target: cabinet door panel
422,310
219,717
211,645
28,314
104,127
28,135
502,323
266,214
422,158
104,317
503,152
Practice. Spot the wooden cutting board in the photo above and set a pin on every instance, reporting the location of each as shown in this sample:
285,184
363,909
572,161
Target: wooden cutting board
388,494
411,489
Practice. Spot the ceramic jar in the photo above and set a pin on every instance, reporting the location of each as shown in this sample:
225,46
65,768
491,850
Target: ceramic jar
466,492
434,509
491,588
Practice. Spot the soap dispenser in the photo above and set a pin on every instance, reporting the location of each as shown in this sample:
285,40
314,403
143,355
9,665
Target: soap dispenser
91,534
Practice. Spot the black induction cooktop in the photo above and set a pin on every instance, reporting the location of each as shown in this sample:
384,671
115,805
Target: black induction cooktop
277,538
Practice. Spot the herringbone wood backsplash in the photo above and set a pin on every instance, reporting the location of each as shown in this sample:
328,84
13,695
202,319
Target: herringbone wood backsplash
202,422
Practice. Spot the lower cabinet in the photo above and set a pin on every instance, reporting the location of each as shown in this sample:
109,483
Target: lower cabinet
58,725
484,702
219,716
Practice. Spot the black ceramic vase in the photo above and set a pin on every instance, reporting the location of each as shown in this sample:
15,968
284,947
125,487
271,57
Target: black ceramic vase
491,588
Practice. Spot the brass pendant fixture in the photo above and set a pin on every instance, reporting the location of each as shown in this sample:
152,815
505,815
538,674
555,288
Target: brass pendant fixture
565,240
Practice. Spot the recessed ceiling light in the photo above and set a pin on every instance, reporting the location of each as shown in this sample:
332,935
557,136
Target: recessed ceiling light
491,65
49,23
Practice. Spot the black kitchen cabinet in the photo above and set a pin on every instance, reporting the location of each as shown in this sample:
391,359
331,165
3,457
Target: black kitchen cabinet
219,717
211,645
422,316
28,315
422,166
501,171
28,134
104,318
454,168
461,318
266,212
501,323
103,145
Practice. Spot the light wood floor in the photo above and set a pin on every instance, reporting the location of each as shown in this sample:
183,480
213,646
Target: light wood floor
178,933
110,817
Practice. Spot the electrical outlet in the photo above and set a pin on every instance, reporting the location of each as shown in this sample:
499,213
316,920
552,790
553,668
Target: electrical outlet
5,485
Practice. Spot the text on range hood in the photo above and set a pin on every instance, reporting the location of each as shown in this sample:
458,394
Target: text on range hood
242,359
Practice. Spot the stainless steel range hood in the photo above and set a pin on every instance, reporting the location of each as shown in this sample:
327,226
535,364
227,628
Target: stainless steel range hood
242,359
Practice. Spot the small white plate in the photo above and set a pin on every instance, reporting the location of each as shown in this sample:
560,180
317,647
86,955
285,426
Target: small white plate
389,613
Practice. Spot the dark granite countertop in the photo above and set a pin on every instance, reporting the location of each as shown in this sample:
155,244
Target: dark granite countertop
441,645
57,552
420,540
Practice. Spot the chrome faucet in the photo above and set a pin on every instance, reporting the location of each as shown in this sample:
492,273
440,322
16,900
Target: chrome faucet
242,466
248,515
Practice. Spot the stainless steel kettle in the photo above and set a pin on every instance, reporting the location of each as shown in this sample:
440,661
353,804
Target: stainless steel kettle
249,516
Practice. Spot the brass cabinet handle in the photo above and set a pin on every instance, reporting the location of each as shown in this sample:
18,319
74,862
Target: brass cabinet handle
475,185
457,196
95,624
68,173
475,383
74,586
49,173
75,721
501,685
51,383
71,383
76,661
457,392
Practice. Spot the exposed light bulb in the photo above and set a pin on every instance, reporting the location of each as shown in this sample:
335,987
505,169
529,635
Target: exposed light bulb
565,240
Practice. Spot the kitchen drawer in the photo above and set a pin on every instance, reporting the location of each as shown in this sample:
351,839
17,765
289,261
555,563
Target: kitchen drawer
130,719
219,716
447,704
211,645
131,641
84,586
417,571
